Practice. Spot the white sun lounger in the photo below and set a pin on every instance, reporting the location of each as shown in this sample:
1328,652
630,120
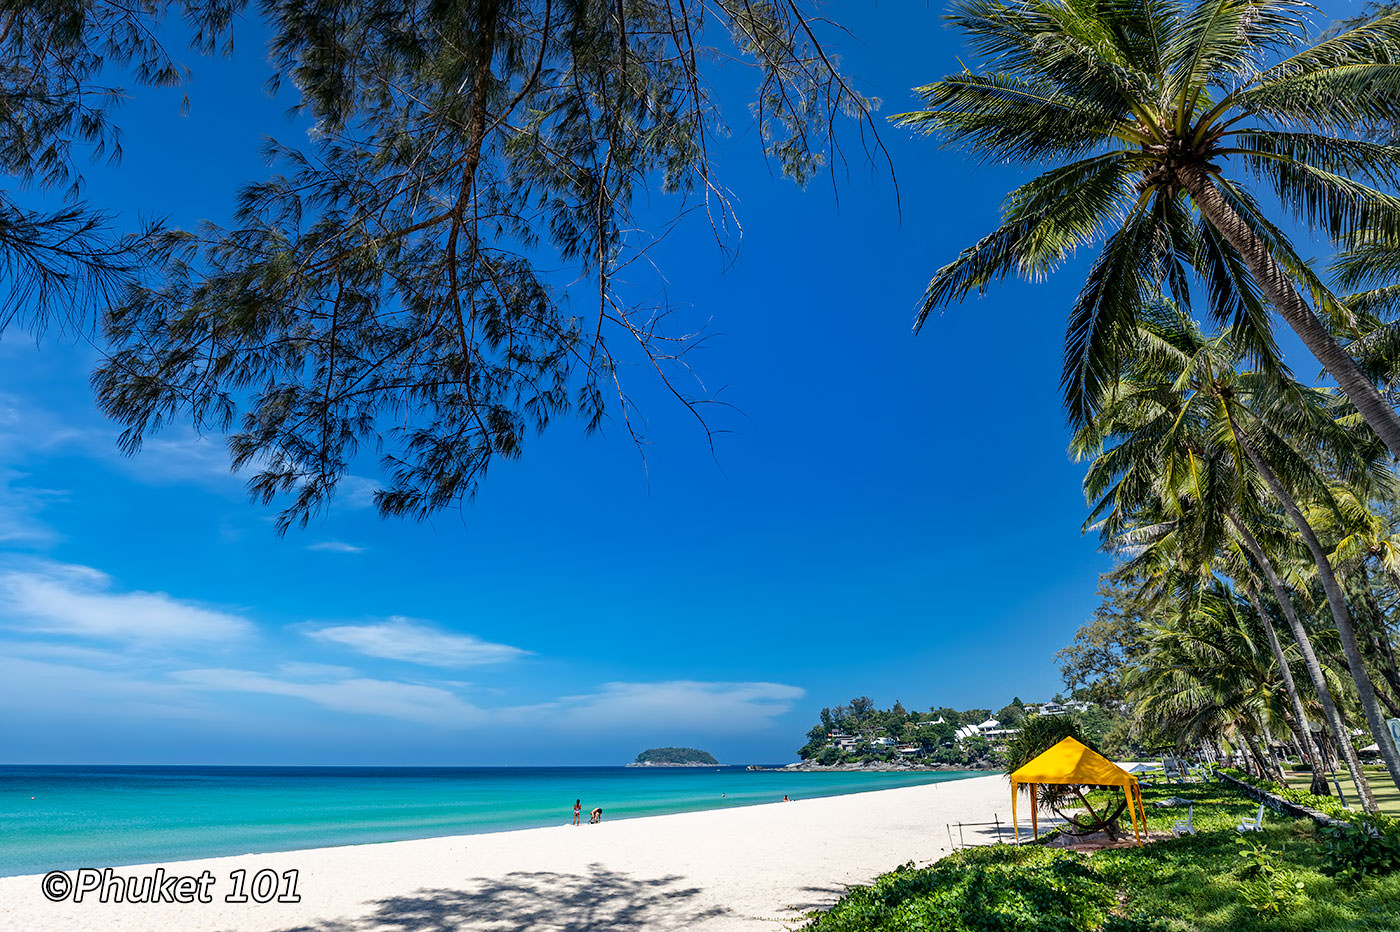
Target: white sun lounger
1185,826
1255,824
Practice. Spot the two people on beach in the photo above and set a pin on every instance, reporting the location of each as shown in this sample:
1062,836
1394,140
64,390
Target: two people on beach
594,817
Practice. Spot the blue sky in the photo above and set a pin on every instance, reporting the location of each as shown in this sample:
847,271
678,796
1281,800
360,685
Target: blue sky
885,515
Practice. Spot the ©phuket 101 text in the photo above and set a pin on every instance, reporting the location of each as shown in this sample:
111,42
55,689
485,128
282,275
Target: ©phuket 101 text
105,885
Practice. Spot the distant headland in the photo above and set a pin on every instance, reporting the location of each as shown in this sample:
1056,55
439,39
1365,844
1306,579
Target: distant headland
674,757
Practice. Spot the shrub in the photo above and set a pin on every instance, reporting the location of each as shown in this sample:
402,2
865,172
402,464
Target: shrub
1265,886
1356,852
1028,889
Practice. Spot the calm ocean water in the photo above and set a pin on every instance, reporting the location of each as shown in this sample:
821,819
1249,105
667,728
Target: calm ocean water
59,818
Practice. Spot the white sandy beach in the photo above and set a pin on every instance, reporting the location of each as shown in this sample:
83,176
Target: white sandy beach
759,867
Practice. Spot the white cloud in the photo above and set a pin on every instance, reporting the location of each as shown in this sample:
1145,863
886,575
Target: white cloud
19,509
297,668
362,696
50,690
680,705
178,456
356,491
78,600
74,653
335,546
401,638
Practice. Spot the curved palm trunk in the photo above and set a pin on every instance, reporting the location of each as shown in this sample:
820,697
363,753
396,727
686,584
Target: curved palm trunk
1310,663
1302,737
1278,287
1378,634
1341,615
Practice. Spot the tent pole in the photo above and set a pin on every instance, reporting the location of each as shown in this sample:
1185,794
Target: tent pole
1016,829
1035,809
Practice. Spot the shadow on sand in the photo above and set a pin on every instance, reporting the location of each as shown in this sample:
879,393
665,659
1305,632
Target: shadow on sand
600,900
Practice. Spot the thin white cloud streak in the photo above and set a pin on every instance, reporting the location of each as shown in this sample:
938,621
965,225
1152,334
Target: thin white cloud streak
78,601
360,696
301,669
400,638
63,682
679,705
59,692
20,506
335,546
356,491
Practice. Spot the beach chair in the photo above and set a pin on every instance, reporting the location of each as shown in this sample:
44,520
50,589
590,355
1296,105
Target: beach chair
1255,824
1185,826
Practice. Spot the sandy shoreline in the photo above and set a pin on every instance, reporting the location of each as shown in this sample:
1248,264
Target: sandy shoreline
750,868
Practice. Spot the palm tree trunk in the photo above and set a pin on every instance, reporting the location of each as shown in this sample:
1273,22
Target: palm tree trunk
1260,760
1278,287
1301,734
1341,615
1310,663
1378,634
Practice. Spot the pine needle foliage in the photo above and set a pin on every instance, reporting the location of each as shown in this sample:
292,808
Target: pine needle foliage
57,59
400,287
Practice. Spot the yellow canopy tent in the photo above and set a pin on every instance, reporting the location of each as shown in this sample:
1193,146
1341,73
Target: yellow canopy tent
1070,762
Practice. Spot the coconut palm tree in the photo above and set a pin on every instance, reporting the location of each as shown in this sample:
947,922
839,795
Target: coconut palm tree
1315,670
1206,676
1249,584
1359,531
1243,437
1170,426
1160,122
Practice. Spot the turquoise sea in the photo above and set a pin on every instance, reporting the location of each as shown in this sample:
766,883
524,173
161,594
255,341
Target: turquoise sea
61,818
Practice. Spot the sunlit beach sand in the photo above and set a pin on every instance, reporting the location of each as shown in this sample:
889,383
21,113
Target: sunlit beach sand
758,867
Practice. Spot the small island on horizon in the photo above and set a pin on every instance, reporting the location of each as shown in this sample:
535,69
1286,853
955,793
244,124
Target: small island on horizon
674,757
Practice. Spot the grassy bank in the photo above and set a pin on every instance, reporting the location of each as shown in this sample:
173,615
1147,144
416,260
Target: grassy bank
1387,796
1214,881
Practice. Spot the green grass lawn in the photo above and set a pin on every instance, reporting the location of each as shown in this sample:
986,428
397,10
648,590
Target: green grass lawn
1381,785
1200,883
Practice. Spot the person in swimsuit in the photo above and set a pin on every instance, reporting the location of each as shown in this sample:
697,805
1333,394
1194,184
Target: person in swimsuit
578,807
595,816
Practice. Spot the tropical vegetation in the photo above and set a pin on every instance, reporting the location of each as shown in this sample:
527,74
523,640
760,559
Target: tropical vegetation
1252,514
688,757
860,733
1289,877
1228,491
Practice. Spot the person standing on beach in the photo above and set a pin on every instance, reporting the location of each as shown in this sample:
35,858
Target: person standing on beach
578,807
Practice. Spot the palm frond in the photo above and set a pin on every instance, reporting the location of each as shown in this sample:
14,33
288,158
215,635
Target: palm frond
1101,321
1046,220
1354,98
1001,116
